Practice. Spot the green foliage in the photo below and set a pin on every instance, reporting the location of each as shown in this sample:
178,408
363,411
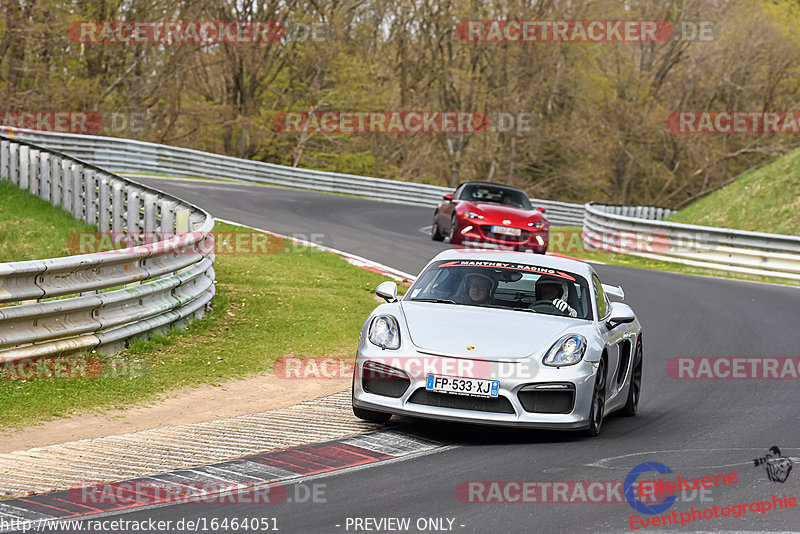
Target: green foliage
598,109
762,200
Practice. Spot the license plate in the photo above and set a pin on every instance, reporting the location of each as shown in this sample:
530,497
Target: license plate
516,232
473,387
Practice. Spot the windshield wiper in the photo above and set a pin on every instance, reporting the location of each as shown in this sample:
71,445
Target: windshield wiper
440,301
499,307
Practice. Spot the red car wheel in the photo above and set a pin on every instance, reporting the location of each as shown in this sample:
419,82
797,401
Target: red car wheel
455,236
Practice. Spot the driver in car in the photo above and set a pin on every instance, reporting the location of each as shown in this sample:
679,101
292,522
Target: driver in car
479,289
552,290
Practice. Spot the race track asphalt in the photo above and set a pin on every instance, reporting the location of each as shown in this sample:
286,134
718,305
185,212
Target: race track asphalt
696,427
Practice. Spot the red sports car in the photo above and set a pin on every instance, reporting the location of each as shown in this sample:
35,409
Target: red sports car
479,212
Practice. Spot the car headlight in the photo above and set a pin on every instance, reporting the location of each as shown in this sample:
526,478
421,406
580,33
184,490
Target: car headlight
473,215
568,350
384,332
537,224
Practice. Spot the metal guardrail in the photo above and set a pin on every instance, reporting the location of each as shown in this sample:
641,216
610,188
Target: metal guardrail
125,156
167,281
607,228
626,229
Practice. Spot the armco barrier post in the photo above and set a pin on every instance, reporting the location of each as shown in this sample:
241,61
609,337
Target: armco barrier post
134,203
117,207
33,172
66,185
90,181
103,204
44,176
77,191
182,221
13,162
150,213
23,166
167,218
3,159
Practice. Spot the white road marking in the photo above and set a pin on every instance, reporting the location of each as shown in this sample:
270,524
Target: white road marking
755,452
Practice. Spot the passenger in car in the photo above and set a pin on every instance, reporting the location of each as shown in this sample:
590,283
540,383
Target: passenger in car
479,289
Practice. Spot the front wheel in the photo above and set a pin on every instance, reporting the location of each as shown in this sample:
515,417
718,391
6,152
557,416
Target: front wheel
436,232
455,236
635,388
598,401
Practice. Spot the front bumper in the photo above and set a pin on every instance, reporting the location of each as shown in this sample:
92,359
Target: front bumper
517,380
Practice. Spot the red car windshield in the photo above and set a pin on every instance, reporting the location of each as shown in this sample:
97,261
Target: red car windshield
497,195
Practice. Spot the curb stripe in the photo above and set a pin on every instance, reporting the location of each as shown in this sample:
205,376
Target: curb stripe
252,474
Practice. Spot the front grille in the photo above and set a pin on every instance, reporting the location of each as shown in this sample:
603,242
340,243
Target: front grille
461,402
487,231
547,400
384,380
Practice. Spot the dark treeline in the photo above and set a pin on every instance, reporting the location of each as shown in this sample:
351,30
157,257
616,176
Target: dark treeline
597,111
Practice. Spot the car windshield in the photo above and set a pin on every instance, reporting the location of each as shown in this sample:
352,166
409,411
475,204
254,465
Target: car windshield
494,284
495,194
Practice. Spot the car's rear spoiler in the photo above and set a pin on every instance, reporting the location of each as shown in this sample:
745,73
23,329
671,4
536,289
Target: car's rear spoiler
615,291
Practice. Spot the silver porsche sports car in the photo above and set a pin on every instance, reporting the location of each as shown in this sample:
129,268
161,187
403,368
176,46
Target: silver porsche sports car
500,338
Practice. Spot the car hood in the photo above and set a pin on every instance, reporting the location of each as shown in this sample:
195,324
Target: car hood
501,211
495,334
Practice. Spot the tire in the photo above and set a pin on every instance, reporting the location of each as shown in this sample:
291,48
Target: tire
371,416
455,237
598,401
635,389
436,232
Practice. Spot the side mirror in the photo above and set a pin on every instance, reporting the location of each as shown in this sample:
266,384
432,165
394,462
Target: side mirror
448,197
541,209
387,291
620,314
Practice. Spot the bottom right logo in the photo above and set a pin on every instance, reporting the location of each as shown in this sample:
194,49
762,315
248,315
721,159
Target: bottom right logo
777,467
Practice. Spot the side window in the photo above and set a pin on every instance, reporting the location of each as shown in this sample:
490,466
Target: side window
602,301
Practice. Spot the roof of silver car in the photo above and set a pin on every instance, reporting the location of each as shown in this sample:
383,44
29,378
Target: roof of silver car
528,258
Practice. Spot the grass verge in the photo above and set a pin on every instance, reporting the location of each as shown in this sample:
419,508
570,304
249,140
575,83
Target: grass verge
762,200
32,228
